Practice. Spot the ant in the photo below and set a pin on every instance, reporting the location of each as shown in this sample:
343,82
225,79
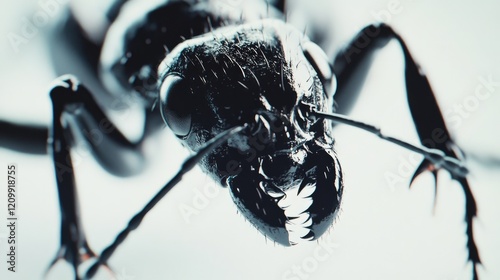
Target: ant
253,98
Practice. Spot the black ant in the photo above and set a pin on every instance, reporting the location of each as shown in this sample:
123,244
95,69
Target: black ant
255,100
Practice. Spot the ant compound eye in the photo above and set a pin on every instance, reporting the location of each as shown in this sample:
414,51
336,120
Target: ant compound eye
175,104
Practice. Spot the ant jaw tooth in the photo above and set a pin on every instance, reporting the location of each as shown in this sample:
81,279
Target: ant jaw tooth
295,205
297,233
296,229
285,203
254,127
298,206
307,190
271,190
303,219
309,236
276,194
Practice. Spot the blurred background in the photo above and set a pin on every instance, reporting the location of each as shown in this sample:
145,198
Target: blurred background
384,231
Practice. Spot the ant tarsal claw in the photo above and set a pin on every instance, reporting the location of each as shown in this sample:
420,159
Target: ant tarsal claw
84,255
426,165
246,92
453,165
74,254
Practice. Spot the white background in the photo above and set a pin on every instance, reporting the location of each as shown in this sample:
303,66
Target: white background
384,232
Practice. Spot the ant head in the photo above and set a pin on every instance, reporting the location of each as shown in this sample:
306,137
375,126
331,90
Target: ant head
228,76
259,74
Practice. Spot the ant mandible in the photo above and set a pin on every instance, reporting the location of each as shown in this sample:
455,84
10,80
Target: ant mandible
250,95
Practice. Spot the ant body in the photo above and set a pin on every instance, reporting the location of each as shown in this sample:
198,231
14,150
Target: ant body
252,97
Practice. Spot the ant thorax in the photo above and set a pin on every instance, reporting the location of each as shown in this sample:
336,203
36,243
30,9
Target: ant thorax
146,31
257,75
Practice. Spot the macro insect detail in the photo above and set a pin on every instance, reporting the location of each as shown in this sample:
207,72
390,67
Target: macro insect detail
250,95
263,88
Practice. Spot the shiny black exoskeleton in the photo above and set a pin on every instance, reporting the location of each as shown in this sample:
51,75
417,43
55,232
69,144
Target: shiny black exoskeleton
234,74
242,91
258,74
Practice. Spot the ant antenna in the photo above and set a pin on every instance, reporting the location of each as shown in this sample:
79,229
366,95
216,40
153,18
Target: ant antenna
437,157
134,223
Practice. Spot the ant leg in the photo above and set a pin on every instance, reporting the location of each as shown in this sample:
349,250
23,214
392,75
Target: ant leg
76,116
30,139
280,5
424,109
436,157
136,220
